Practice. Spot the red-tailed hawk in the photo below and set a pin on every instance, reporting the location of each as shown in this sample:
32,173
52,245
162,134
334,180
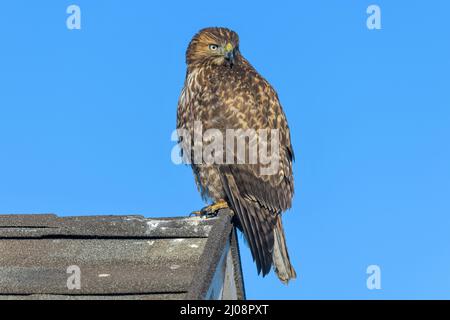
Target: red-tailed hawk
223,92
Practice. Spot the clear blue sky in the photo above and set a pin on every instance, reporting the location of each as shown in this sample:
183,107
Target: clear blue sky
86,117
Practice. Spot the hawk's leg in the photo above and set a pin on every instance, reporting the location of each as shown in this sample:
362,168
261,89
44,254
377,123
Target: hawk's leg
212,210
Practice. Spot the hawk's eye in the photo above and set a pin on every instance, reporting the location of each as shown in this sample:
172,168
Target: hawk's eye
213,47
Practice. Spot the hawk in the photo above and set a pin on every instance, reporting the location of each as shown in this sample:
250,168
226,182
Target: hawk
223,91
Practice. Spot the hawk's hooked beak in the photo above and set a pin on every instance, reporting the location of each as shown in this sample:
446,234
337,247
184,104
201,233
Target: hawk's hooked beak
229,53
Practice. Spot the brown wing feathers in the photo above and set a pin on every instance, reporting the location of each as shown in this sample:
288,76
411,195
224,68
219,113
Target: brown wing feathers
257,221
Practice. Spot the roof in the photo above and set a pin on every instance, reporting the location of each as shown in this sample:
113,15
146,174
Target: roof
118,257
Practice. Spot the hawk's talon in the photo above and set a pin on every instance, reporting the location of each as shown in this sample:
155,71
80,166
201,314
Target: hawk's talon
195,214
211,210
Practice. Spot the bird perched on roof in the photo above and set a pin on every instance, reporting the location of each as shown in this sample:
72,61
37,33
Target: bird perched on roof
222,92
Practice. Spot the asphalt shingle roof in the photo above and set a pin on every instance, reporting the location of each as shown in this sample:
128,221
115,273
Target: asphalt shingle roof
119,257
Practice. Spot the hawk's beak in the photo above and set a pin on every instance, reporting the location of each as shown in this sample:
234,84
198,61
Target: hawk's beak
229,53
230,57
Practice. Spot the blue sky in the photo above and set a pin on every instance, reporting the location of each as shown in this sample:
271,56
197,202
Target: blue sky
86,118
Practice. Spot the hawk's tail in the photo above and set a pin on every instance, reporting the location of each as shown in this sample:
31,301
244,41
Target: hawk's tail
263,230
281,262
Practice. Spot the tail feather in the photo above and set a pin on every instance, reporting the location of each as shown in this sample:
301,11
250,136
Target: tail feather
282,264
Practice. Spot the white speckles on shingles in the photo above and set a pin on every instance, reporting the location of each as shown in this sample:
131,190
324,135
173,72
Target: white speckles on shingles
193,245
150,243
195,222
174,267
178,240
152,225
103,275
134,219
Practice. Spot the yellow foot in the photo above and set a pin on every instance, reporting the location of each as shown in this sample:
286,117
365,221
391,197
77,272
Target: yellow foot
212,210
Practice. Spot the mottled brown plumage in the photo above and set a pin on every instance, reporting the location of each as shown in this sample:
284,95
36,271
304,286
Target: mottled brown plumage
223,91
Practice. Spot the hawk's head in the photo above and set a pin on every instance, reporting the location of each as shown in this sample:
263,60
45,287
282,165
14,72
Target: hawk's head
218,46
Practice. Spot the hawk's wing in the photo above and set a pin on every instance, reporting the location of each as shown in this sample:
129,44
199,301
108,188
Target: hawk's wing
257,199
